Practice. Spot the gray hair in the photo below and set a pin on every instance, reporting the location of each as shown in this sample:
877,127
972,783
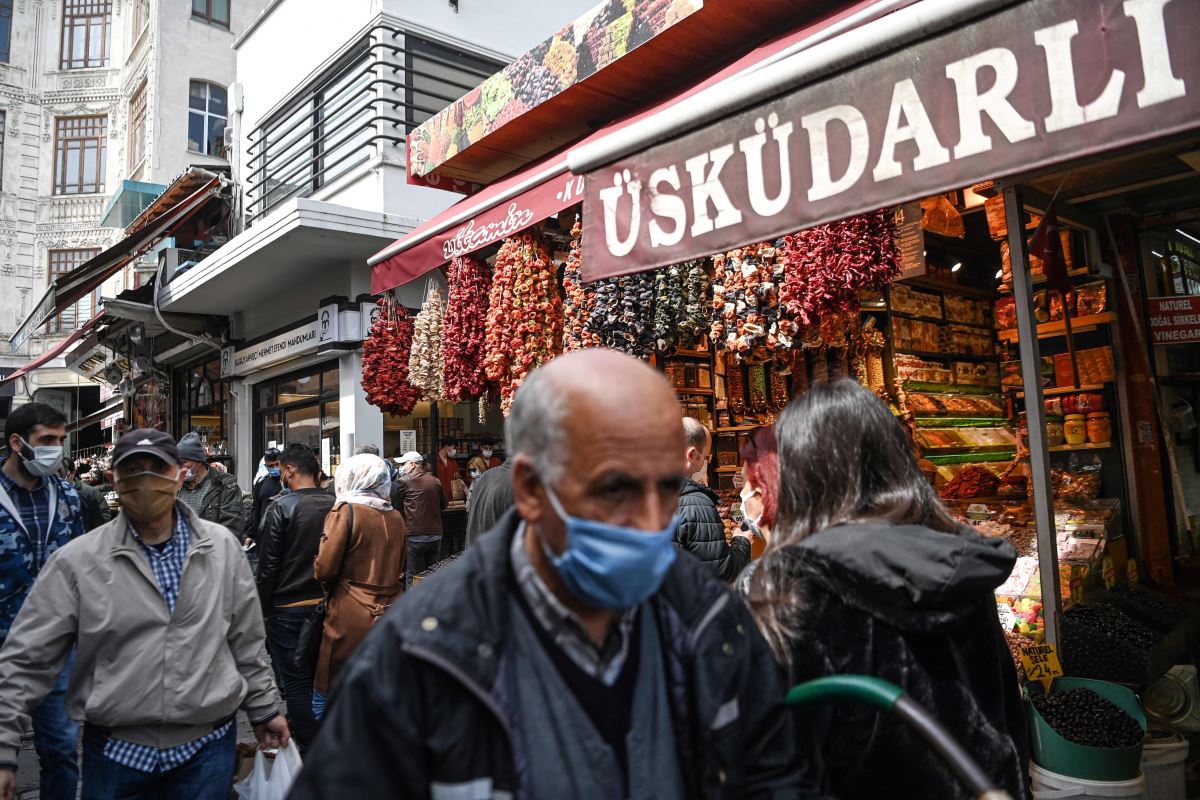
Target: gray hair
695,433
367,448
534,426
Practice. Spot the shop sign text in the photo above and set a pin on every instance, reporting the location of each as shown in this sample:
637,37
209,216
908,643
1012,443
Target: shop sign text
1175,320
1038,83
296,342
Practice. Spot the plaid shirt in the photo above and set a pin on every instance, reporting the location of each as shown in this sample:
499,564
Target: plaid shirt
166,563
34,506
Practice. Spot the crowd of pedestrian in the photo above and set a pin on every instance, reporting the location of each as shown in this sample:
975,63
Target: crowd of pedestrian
601,636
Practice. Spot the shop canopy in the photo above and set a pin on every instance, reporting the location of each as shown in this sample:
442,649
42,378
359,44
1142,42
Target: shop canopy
51,354
929,99
546,187
177,203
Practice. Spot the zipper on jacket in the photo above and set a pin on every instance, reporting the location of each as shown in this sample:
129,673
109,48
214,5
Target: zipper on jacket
707,619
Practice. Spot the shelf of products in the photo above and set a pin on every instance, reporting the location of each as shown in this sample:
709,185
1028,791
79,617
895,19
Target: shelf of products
1067,448
1058,327
972,458
946,356
959,422
1055,391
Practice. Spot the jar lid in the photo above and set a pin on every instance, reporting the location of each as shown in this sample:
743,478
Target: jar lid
1076,416
1098,415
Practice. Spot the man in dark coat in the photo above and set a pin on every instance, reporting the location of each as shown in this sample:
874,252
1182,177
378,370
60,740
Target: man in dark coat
95,507
490,498
571,652
212,494
266,489
701,531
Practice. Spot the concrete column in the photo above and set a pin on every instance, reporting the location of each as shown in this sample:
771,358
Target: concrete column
362,423
241,419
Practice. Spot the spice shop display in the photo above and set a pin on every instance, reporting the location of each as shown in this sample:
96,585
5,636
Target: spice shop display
426,369
668,304
579,298
623,314
746,303
463,328
385,359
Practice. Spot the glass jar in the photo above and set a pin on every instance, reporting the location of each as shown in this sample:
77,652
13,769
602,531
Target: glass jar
1075,429
1099,427
1055,431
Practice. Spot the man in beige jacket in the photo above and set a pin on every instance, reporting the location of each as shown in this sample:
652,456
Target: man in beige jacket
163,614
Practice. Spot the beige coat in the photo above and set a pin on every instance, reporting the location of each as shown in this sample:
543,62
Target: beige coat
151,677
368,565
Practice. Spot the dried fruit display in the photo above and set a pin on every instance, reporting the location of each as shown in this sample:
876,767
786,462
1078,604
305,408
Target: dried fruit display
525,314
695,314
385,360
426,369
463,328
623,316
829,264
668,303
972,482
580,298
746,310
735,386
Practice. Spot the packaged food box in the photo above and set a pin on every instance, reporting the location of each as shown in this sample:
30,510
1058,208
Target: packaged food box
1095,366
969,373
1010,372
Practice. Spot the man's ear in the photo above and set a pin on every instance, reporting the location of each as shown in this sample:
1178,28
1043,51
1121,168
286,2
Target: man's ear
527,489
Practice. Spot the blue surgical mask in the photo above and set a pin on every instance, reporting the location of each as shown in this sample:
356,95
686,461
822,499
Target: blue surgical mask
273,472
609,566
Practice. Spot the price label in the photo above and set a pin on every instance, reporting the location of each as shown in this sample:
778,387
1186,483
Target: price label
978,512
1008,618
1041,664
1078,573
1110,573
1131,571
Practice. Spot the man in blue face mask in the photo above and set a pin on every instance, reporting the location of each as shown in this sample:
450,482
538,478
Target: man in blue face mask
571,652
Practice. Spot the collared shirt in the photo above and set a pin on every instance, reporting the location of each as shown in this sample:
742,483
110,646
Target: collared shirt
34,507
193,497
565,627
166,562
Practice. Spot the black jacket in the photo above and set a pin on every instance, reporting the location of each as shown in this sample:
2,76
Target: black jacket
914,607
223,503
264,491
288,542
490,499
422,701
702,533
94,506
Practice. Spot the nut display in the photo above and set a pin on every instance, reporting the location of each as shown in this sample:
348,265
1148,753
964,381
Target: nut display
1085,718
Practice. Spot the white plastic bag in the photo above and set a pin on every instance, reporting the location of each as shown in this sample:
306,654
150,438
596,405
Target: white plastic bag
271,782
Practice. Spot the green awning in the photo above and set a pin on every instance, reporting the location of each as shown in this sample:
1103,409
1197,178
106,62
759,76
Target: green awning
130,199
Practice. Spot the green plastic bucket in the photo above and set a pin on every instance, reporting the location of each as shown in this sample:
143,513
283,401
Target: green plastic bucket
1056,754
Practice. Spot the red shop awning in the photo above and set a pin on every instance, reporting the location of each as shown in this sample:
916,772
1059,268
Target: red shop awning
53,352
546,187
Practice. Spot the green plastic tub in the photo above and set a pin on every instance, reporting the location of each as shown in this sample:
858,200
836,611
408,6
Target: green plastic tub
1056,754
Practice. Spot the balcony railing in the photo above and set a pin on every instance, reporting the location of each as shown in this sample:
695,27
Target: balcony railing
369,99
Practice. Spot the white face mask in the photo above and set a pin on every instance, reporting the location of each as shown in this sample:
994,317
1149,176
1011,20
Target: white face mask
754,525
486,452
41,461
474,474
451,452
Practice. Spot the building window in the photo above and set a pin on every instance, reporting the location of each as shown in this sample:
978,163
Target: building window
141,17
6,15
137,128
206,119
62,262
213,11
86,27
302,408
80,150
439,75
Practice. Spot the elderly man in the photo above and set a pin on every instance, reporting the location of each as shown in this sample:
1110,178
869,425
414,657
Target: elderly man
570,653
162,663
700,530
214,495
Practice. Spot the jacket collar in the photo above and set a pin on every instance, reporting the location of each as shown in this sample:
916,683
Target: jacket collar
198,531
694,487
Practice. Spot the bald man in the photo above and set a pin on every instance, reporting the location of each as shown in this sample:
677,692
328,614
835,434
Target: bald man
570,653
701,531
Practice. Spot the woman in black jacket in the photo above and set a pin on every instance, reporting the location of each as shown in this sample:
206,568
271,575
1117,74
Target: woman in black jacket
867,573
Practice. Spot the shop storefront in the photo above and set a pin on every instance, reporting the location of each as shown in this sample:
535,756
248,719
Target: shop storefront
202,405
304,408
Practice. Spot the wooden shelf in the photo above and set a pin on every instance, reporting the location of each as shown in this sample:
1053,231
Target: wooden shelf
970,458
944,356
926,387
1070,448
689,392
1073,276
961,291
705,354
1087,387
941,321
727,470
736,428
1058,327
962,422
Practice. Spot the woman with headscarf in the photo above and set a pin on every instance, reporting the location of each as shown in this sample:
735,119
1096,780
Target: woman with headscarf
360,563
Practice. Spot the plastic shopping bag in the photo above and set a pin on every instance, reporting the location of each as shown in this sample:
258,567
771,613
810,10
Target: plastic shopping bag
271,781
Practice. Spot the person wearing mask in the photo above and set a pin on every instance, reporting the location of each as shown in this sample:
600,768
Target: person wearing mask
867,573
212,494
447,469
39,513
491,497
488,452
701,531
288,543
360,564
420,498
579,653
266,488
94,506
162,664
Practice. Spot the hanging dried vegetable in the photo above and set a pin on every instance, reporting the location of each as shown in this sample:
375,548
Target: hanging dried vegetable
746,310
623,316
463,329
525,314
828,265
696,313
426,369
580,298
735,386
385,360
668,304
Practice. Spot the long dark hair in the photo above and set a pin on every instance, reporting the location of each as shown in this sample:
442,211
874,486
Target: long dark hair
843,457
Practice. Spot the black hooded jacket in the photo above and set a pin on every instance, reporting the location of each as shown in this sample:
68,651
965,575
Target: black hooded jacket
702,533
914,607
426,701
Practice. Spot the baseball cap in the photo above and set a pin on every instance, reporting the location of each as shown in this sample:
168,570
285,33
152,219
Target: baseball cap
146,441
412,456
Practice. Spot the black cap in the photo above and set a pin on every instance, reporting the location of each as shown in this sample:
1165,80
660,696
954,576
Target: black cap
147,441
